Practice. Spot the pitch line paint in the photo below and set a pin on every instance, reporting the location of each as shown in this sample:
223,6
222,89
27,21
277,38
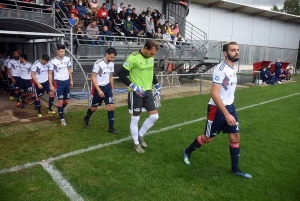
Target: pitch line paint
63,184
80,151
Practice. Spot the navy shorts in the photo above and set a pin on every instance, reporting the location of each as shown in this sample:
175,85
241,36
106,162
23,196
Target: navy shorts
216,121
136,104
46,87
97,100
26,86
17,85
62,89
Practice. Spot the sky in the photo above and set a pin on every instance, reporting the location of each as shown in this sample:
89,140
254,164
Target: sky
264,4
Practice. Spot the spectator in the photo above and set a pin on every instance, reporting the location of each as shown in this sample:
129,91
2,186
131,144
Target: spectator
287,73
158,34
82,12
108,5
120,8
148,16
282,76
150,29
142,22
78,29
162,19
122,14
165,27
60,6
176,29
157,25
48,2
105,32
134,19
112,13
103,15
88,19
93,6
129,10
155,16
74,10
92,31
128,27
264,75
278,66
180,39
148,9
119,26
167,43
72,20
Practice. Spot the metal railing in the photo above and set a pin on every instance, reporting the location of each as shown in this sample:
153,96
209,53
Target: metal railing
62,23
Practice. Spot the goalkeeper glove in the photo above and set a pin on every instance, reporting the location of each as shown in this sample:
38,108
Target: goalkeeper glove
158,90
138,90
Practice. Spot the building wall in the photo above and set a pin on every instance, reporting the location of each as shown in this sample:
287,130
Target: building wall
225,25
141,5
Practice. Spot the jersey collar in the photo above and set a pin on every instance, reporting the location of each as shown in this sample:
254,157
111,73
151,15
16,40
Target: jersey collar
142,54
229,65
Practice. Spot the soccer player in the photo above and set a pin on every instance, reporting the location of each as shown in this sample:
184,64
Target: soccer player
221,114
103,88
3,70
14,72
39,74
26,80
63,80
140,66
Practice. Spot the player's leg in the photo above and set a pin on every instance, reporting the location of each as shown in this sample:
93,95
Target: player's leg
135,108
11,89
66,93
39,93
59,86
96,101
23,92
17,91
109,102
51,94
149,104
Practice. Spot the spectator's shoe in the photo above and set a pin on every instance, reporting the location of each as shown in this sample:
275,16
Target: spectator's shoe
239,172
112,130
51,112
40,115
11,98
18,104
142,142
22,105
86,122
63,122
139,149
186,157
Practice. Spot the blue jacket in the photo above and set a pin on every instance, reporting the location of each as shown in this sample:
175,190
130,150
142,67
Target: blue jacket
108,33
278,66
81,10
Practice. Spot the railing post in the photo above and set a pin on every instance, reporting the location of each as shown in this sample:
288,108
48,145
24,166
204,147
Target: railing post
201,83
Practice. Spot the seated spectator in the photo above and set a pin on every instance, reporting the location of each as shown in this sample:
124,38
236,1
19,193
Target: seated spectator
142,22
103,15
92,31
105,32
78,29
157,25
48,2
165,27
264,75
93,6
170,31
82,12
128,27
282,76
59,5
129,10
88,19
167,43
108,7
179,40
74,10
72,20
155,16
150,29
158,35
68,3
148,9
112,13
287,73
120,8
123,14
119,26
162,19
148,16
176,29
134,19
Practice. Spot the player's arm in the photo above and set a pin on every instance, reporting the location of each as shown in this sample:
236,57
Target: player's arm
111,82
9,73
70,76
35,80
123,77
50,79
157,86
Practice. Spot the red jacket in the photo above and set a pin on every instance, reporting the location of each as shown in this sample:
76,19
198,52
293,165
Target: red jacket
102,13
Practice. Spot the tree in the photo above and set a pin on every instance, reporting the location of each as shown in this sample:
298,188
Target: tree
291,7
275,8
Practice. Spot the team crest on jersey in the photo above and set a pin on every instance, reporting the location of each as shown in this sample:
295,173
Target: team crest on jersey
217,78
151,60
126,64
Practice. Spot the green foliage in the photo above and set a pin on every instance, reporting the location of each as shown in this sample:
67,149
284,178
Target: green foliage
291,7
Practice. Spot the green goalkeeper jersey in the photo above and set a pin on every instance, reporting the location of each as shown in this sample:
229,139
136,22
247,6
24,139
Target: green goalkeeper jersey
141,70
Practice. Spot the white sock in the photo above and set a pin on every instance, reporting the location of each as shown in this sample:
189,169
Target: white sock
148,123
134,129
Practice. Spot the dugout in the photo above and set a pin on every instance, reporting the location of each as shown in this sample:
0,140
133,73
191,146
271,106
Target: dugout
284,65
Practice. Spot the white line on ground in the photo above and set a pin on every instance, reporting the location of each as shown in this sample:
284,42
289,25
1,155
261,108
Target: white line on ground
80,151
63,184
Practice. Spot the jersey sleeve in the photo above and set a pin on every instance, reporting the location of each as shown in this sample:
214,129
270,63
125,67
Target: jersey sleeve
50,65
112,67
129,63
218,76
8,64
96,68
69,63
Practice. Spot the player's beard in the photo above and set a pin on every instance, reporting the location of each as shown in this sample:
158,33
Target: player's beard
233,59
16,58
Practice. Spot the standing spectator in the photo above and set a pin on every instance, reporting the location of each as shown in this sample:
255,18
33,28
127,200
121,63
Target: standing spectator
74,10
148,16
63,80
82,12
129,10
122,14
108,7
103,88
72,20
150,29
120,8
105,32
278,66
92,31
112,13
157,25
103,15
162,19
128,27
93,6
142,22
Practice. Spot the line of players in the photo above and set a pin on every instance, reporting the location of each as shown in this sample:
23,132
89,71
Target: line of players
20,77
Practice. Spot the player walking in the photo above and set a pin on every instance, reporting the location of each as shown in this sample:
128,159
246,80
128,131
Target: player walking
14,72
221,114
103,88
63,80
140,66
26,80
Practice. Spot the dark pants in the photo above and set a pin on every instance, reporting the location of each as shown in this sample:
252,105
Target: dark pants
105,22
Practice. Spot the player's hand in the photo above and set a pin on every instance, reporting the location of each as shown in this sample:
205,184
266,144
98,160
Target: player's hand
71,83
158,90
13,80
230,120
138,90
101,94
40,86
52,88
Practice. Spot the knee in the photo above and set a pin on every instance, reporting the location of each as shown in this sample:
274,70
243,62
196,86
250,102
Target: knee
93,109
65,102
234,137
110,107
154,117
206,139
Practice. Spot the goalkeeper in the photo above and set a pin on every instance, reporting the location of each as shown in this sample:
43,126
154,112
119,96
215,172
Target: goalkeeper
140,66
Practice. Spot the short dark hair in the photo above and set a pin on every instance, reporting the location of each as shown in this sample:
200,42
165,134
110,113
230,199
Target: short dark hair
45,57
225,46
104,4
150,44
94,20
111,50
60,47
24,56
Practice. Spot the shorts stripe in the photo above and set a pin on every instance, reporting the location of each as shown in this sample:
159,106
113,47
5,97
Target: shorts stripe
208,128
212,113
131,102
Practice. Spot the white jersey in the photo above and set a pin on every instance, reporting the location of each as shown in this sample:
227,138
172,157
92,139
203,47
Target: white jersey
41,71
2,63
14,65
103,71
60,68
225,75
26,71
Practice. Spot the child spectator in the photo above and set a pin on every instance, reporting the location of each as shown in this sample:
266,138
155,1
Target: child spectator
150,29
129,10
108,7
72,20
74,10
288,74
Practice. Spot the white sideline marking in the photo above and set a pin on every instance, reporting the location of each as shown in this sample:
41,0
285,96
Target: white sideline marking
63,184
28,165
